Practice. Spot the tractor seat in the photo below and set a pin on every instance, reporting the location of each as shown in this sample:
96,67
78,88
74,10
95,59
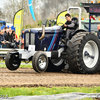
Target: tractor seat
75,20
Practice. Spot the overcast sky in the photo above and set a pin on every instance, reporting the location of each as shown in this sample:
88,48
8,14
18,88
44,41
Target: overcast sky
2,2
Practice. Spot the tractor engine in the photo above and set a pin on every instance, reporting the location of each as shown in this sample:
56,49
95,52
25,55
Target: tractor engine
45,39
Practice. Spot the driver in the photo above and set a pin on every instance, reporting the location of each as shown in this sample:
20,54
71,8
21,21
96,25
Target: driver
70,27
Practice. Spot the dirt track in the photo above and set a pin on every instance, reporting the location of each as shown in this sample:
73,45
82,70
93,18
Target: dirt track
30,78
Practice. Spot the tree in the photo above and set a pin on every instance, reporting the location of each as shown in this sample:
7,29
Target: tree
43,9
1,14
11,7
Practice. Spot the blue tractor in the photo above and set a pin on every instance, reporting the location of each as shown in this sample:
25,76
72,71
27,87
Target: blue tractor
44,47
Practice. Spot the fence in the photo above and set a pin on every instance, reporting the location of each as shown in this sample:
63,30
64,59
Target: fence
3,51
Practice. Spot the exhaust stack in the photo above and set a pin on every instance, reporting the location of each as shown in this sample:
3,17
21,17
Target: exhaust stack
43,32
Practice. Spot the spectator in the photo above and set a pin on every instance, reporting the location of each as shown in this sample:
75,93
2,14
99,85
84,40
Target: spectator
2,40
8,27
22,39
15,39
10,37
2,27
6,33
12,43
22,35
98,33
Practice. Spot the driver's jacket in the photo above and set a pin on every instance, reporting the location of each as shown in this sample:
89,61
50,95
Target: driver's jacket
70,25
70,28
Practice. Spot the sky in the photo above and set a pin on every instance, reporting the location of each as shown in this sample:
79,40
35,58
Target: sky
2,2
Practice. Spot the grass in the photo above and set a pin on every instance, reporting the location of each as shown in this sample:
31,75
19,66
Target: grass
21,66
88,99
11,92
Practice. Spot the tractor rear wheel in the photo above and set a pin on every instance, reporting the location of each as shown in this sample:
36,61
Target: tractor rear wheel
84,53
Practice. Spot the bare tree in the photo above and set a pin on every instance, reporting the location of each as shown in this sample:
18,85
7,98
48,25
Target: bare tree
1,14
43,9
11,7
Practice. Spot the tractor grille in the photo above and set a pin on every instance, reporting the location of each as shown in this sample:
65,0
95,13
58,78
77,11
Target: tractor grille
32,39
29,39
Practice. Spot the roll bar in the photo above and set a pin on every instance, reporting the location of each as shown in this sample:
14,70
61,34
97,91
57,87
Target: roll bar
79,14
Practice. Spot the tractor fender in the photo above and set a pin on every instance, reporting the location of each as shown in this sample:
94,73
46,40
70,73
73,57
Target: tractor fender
77,31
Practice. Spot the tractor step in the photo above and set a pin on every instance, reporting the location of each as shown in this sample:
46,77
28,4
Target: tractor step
62,45
64,55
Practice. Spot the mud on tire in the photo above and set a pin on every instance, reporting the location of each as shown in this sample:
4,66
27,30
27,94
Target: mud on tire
84,53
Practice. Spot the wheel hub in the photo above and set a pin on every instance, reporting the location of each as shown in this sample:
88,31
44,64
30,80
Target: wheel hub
42,62
90,54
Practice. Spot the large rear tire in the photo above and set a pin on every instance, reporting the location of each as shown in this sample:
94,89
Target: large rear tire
84,53
12,61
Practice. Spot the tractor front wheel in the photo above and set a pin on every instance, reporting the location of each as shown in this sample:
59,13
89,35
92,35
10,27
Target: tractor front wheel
40,61
12,60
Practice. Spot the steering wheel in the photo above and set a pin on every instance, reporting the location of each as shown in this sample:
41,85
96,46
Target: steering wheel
59,23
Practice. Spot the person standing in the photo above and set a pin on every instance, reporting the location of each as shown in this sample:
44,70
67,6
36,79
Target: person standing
98,33
2,40
6,33
15,39
22,35
22,39
10,37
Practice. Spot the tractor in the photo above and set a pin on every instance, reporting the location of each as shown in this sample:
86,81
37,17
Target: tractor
44,47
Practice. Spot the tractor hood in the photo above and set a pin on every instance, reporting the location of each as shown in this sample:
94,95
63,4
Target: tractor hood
36,30
49,28
43,38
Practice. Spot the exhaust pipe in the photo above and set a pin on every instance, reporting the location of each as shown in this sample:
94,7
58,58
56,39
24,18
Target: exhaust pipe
43,32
